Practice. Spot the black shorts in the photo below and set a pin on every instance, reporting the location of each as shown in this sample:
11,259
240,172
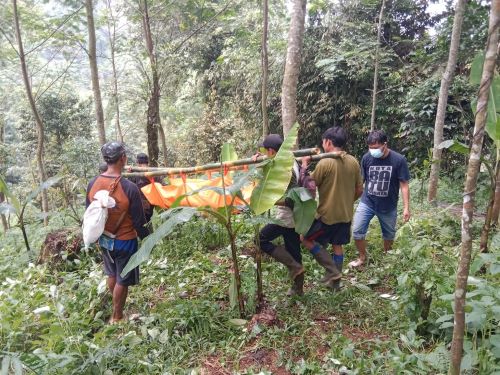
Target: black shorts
114,263
335,234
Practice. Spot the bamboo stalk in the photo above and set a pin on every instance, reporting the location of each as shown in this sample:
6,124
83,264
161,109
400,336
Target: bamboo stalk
231,165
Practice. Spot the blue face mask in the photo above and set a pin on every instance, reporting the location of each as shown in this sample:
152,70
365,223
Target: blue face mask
376,152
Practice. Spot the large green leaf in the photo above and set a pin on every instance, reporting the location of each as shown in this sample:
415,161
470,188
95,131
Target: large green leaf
228,153
276,176
476,69
493,119
304,209
43,186
454,146
175,216
4,188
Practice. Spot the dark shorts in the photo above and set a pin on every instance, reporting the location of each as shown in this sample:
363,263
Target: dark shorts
114,263
335,234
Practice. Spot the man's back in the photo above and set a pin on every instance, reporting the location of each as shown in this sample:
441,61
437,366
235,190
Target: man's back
128,205
337,180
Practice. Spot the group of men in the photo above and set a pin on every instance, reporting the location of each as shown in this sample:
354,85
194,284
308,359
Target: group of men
339,184
339,181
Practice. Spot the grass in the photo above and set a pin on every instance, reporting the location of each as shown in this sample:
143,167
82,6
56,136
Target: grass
53,320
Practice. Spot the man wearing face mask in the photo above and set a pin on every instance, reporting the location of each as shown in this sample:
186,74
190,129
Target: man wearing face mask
385,172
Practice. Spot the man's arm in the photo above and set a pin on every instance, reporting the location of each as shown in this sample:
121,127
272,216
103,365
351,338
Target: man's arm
405,190
137,212
358,192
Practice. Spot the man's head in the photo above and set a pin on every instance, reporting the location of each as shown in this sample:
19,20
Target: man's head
377,143
334,137
142,159
114,153
272,144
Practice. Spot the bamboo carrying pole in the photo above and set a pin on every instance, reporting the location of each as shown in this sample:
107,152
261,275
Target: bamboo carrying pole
231,165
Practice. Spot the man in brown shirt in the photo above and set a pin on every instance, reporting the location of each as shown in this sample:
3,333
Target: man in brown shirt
339,184
124,224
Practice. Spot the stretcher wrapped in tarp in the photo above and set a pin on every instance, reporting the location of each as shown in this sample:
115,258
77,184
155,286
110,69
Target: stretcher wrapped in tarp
198,193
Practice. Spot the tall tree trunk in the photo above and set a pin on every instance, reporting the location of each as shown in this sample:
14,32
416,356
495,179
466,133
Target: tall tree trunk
446,81
375,74
496,205
470,189
112,44
163,143
485,232
94,73
292,66
5,224
42,176
153,119
265,68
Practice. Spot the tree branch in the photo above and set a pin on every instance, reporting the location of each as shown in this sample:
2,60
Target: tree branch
54,31
8,40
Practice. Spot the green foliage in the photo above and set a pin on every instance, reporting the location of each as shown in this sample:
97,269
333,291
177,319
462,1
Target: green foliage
228,153
493,111
304,209
173,217
276,176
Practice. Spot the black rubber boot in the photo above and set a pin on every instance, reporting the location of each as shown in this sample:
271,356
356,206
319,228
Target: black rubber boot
281,255
297,288
325,260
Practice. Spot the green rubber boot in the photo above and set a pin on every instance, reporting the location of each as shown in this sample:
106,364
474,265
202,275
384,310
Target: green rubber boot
335,285
325,260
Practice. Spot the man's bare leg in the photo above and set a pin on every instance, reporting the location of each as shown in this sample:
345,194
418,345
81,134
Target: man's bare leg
111,284
119,297
388,245
361,246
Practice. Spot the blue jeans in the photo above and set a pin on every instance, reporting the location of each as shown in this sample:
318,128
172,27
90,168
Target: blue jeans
365,214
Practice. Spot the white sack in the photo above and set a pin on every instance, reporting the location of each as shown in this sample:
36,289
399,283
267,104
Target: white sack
95,217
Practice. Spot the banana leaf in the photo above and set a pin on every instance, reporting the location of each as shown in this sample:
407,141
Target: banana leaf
228,153
493,118
15,205
276,176
175,216
304,209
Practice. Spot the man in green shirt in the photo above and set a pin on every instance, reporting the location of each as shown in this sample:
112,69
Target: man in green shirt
339,185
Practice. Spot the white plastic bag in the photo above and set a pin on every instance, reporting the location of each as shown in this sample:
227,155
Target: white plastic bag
95,217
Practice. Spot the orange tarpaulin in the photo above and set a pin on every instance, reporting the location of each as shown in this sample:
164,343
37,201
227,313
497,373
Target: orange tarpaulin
165,196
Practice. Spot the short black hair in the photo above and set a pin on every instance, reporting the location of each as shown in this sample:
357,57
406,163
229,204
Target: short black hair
103,167
142,158
376,136
337,135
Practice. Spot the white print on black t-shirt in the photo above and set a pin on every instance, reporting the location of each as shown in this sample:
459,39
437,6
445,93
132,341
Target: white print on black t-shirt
379,179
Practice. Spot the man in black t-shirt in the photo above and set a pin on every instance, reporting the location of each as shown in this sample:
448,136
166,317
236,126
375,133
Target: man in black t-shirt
384,173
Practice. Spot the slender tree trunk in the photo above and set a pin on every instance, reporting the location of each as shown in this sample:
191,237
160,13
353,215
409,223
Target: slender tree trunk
112,44
265,68
375,74
292,66
94,73
38,120
153,119
485,232
5,224
470,189
446,81
163,144
496,205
